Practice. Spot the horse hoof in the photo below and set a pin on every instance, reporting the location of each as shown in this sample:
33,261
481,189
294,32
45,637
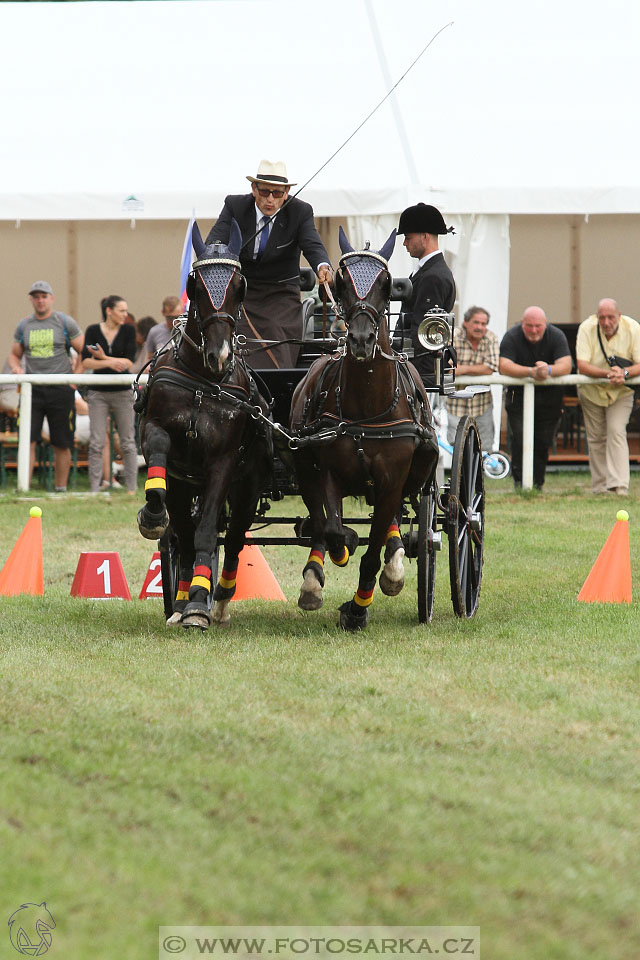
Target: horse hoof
221,616
392,576
174,619
152,525
309,601
349,620
310,592
390,588
196,615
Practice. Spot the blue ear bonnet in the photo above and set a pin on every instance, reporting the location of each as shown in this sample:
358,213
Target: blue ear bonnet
216,274
364,266
217,263
364,271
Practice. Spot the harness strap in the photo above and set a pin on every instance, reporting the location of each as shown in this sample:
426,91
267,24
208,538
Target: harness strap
192,431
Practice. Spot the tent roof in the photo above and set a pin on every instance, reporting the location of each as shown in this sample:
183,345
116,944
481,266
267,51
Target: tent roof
512,109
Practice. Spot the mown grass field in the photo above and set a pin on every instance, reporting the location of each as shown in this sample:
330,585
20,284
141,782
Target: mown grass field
482,772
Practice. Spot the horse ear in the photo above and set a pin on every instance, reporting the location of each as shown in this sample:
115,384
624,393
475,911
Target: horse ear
345,246
387,249
338,284
235,238
196,240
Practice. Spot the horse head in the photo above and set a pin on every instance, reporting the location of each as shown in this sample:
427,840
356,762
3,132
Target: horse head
363,289
216,289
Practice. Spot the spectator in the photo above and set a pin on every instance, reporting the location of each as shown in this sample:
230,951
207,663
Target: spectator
275,230
534,348
143,328
45,340
160,334
110,347
432,280
477,350
9,399
603,339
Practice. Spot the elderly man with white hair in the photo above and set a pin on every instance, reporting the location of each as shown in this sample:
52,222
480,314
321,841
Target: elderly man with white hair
608,347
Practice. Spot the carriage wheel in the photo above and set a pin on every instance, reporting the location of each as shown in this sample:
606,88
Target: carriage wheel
170,568
465,520
427,538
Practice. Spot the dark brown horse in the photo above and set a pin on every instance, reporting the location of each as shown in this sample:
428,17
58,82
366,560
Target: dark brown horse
365,429
202,436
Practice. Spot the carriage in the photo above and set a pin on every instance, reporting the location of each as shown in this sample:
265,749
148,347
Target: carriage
286,422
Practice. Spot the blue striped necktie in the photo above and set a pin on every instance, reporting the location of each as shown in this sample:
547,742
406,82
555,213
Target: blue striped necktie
264,237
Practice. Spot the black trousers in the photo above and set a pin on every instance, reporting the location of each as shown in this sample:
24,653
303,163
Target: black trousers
544,424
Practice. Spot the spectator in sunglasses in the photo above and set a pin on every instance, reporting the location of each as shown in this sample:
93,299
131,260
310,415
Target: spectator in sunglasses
275,231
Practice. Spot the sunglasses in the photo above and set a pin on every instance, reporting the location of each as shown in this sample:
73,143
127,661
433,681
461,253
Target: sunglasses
264,192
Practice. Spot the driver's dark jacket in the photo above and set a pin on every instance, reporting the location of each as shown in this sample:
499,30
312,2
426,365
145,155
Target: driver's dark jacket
433,286
292,231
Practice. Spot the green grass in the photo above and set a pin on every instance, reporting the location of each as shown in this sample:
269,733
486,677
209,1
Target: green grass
479,772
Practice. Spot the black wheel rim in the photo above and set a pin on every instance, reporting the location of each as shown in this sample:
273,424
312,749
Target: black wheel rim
426,557
466,519
169,567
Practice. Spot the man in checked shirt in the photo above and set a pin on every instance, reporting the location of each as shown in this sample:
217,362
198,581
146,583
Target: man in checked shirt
478,353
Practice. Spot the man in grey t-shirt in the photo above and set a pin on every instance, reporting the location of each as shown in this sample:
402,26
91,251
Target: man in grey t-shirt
44,340
160,335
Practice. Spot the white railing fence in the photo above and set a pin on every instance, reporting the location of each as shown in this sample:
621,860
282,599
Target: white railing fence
125,379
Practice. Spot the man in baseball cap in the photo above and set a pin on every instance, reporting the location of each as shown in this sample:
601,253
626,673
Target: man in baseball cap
432,280
275,230
45,340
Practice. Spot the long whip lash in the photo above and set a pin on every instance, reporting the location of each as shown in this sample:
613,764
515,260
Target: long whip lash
351,135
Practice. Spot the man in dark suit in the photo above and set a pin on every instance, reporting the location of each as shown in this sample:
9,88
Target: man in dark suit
274,232
432,281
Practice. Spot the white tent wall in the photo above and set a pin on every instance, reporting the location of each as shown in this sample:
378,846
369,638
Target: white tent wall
508,114
480,261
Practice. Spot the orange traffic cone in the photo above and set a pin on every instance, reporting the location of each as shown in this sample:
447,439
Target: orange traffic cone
23,573
254,579
610,577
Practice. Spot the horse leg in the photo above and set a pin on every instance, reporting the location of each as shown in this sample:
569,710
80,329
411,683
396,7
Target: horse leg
243,501
313,579
312,489
392,577
179,501
153,519
196,612
354,614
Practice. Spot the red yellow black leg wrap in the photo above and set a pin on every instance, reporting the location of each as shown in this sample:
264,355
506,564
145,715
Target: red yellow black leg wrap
226,586
183,590
156,478
201,577
342,560
316,563
362,597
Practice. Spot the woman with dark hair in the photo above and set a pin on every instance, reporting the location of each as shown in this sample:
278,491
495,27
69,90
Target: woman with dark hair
110,347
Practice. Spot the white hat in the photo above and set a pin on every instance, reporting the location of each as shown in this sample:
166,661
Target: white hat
272,171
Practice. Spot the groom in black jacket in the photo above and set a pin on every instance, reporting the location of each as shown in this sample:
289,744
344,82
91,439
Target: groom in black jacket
271,260
432,281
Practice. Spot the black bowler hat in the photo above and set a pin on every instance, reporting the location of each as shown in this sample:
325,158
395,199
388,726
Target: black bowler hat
423,218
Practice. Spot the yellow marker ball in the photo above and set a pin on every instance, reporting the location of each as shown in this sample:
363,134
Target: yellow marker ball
622,515
35,512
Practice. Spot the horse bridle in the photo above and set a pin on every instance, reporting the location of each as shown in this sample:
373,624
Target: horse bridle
216,283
